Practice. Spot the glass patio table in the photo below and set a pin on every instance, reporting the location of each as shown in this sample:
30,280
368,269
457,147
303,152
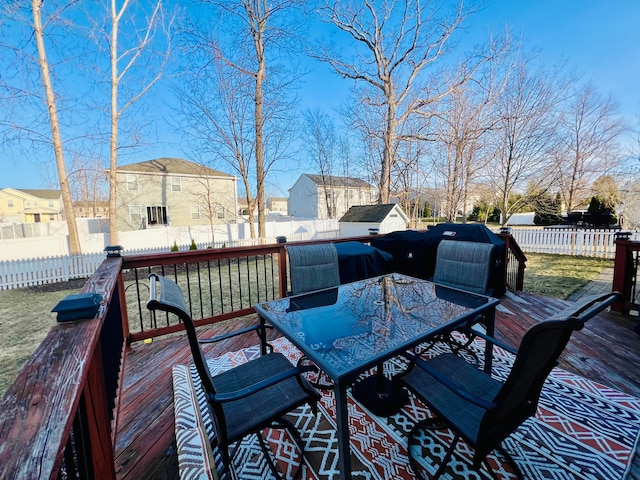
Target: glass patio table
349,329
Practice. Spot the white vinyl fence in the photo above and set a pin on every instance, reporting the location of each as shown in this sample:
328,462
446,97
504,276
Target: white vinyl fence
588,243
61,268
38,271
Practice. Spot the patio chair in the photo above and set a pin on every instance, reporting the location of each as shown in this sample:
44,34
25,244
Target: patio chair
480,409
313,267
248,398
464,266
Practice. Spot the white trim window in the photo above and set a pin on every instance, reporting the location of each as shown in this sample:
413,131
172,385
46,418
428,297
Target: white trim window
220,212
132,182
176,184
135,214
195,212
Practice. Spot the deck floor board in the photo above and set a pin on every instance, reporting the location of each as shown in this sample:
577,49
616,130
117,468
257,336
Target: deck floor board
606,351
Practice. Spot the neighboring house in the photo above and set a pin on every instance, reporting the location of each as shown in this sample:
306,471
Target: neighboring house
370,219
278,205
318,196
86,209
30,206
243,206
173,191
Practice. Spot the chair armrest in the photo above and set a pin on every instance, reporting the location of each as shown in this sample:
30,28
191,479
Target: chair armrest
261,385
451,385
233,334
490,339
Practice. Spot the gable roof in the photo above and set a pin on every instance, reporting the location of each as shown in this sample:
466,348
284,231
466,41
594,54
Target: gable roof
332,181
169,166
45,194
368,213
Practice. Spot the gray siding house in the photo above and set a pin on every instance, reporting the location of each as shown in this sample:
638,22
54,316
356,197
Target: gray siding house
324,196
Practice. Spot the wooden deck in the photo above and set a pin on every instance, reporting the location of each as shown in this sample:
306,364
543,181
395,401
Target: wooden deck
606,351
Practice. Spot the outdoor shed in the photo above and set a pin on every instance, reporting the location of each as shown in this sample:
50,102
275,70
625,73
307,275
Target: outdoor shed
368,219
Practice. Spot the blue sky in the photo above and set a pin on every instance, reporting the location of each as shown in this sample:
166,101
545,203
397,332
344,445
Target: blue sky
599,39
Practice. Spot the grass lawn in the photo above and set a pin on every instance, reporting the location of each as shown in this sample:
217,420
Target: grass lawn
25,314
25,319
560,275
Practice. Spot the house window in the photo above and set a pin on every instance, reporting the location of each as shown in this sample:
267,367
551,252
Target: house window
52,218
132,182
195,212
157,216
50,204
176,186
220,212
350,193
393,215
10,203
135,214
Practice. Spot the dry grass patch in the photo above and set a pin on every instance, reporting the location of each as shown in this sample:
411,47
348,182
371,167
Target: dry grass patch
25,320
560,275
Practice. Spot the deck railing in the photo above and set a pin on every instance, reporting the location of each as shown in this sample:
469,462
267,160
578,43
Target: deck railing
625,275
59,419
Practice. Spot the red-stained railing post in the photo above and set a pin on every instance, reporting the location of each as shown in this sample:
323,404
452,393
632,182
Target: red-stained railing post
625,272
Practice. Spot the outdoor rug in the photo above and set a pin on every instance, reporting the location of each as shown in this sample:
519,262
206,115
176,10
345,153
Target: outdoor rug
582,430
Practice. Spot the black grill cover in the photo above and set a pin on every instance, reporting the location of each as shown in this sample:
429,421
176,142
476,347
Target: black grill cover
414,253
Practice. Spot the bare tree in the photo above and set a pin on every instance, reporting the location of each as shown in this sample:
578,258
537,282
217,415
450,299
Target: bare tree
38,30
251,37
590,133
90,184
525,139
466,119
215,105
320,140
136,54
395,43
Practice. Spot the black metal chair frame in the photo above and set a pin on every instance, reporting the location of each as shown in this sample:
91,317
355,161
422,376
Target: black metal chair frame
243,387
480,409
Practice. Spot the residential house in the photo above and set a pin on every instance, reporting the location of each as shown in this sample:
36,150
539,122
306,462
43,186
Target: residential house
323,196
243,206
30,206
173,191
88,209
278,205
371,219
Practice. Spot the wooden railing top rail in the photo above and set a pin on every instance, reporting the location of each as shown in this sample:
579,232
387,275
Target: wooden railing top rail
37,411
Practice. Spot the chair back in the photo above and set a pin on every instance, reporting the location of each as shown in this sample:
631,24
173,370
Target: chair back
313,267
464,265
171,299
538,354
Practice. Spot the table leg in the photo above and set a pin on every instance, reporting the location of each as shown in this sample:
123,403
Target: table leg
342,427
262,334
490,322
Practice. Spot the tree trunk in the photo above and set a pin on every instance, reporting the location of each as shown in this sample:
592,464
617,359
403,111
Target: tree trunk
70,215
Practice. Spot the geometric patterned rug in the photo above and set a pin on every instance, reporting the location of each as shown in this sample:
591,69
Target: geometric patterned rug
582,430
